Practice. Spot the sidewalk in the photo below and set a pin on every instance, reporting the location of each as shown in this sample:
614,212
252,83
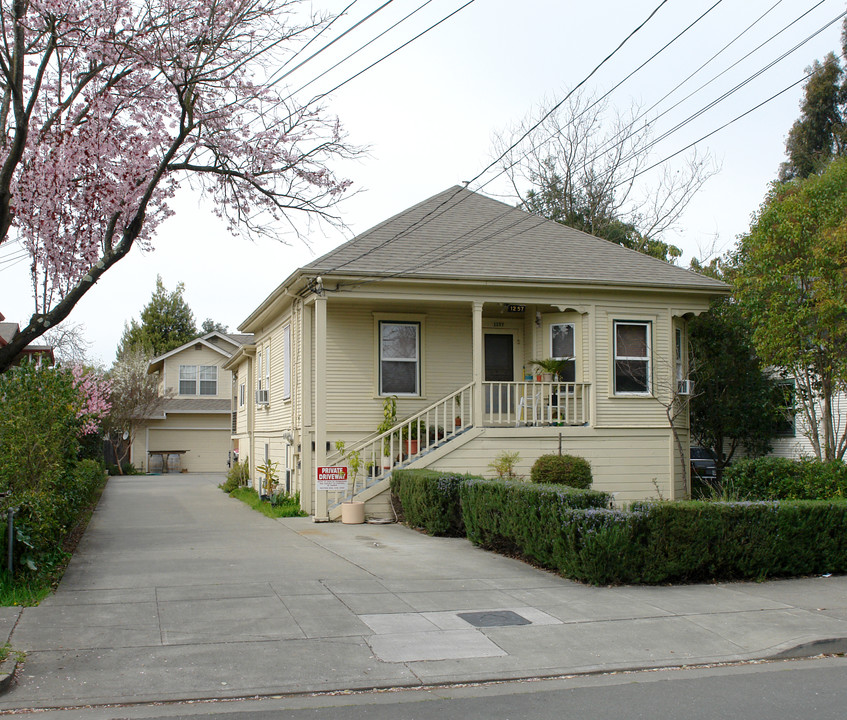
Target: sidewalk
180,592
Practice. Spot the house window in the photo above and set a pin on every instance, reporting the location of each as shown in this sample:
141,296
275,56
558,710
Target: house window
189,376
286,362
399,358
786,409
259,369
268,368
187,379
208,379
562,348
242,394
678,364
632,358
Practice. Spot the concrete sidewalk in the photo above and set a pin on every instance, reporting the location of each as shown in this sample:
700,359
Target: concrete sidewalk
180,592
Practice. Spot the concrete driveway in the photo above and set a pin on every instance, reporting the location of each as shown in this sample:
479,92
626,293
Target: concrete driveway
179,592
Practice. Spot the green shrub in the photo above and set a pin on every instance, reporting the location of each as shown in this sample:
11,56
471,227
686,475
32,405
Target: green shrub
238,475
45,516
127,467
562,469
516,517
39,426
773,478
430,500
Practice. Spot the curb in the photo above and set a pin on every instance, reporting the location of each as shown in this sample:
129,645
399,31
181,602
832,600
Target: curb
828,646
7,673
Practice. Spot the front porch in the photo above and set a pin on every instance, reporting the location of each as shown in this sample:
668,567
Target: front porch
527,404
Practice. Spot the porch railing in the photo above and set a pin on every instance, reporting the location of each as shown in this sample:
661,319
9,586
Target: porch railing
417,435
535,403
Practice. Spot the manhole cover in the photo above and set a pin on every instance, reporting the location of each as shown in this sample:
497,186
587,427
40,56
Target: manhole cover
493,618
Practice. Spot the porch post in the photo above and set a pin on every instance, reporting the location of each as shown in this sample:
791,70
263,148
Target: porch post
321,511
478,363
307,471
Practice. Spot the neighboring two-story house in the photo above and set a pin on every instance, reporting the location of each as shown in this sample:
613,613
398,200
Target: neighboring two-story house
443,308
193,425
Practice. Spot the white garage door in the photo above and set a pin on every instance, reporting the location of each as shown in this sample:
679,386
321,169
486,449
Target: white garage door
206,450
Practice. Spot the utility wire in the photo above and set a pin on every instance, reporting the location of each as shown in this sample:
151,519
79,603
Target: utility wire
596,102
330,43
438,209
358,50
388,55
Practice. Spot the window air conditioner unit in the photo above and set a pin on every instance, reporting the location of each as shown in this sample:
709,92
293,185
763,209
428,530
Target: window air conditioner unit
686,387
262,397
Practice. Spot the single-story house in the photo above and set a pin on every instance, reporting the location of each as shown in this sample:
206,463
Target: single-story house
192,426
442,309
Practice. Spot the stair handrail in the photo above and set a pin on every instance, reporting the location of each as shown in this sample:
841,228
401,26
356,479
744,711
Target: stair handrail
402,429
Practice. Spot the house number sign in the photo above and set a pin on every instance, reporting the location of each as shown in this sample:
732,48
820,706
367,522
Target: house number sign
332,479
516,308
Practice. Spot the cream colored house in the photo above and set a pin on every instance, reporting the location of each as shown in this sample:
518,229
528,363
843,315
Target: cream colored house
444,307
193,425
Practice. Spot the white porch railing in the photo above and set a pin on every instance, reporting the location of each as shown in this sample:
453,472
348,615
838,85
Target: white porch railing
535,403
407,440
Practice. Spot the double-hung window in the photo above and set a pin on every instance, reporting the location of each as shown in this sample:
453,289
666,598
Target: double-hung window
198,379
208,379
242,394
563,349
632,358
187,379
399,358
286,362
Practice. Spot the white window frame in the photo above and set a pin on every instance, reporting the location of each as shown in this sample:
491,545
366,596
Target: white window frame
197,380
183,371
286,362
416,360
648,330
571,358
268,370
201,379
242,394
259,369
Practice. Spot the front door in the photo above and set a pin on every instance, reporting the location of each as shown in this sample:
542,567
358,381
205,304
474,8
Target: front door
499,368
499,357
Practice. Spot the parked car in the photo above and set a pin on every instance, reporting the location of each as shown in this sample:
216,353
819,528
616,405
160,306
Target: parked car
703,465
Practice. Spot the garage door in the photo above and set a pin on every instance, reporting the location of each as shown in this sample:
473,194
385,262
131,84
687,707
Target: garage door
206,450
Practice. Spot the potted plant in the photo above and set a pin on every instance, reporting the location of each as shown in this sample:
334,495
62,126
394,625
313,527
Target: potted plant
411,434
352,511
549,367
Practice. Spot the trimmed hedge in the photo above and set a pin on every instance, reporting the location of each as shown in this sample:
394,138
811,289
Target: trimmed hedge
430,500
46,516
577,534
773,478
562,469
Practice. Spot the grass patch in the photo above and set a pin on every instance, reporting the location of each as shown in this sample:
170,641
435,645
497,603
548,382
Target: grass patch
7,650
23,591
280,506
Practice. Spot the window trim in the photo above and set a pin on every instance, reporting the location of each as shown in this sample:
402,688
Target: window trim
242,394
196,381
788,383
571,358
286,362
192,380
418,361
648,326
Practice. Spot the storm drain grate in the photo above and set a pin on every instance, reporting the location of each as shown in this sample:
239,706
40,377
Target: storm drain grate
493,618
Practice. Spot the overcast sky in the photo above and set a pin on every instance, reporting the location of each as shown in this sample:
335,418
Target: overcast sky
429,112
